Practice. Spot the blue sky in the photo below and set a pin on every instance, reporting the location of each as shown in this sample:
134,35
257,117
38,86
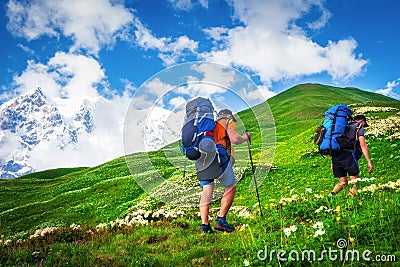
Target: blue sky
278,43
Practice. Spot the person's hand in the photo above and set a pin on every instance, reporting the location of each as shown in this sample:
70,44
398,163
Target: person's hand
370,167
247,134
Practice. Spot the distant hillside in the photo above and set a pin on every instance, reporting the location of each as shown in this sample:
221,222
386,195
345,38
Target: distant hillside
308,101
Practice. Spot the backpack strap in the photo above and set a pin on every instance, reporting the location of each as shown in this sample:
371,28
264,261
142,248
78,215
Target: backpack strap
356,138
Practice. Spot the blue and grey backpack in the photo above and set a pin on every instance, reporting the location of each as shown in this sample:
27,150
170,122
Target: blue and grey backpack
199,124
330,135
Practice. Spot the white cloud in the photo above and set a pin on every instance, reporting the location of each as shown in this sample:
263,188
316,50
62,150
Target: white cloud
259,95
343,64
177,102
67,79
8,145
217,34
173,51
187,5
323,19
146,39
170,49
271,45
204,3
91,24
26,49
181,4
37,75
390,88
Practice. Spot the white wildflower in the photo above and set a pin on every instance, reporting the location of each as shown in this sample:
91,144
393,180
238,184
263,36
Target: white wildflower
319,225
319,232
147,214
291,229
75,226
318,196
101,226
287,231
321,208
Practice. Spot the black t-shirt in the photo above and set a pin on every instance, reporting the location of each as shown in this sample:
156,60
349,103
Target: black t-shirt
351,130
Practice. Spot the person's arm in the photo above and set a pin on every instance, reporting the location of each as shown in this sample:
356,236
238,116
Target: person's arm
235,138
364,148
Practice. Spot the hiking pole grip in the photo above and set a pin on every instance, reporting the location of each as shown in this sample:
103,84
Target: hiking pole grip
248,135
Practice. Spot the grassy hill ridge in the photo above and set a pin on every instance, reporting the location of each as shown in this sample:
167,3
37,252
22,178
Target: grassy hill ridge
90,196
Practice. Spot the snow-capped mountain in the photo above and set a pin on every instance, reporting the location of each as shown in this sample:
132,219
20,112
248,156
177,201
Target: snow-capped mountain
162,127
30,120
36,135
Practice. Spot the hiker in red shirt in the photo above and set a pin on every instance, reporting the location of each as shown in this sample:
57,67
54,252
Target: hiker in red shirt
224,136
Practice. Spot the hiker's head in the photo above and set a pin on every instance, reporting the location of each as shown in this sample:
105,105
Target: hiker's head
226,113
361,119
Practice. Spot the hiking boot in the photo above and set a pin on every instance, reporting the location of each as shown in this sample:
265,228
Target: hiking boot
206,228
223,225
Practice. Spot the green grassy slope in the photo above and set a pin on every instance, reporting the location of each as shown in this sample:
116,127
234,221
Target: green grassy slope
290,195
83,196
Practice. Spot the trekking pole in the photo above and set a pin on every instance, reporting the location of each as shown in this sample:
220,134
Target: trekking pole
253,170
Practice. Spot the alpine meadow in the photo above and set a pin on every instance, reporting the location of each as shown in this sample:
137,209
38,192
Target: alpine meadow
100,216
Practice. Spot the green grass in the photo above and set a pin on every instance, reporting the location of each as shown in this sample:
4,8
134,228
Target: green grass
102,199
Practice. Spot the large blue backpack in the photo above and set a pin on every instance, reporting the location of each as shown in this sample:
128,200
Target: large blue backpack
332,131
199,124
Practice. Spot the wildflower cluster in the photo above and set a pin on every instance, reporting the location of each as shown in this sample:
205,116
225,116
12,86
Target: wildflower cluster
302,197
291,229
5,242
365,110
324,209
320,228
382,187
44,232
242,211
294,198
362,180
389,126
139,217
53,234
142,217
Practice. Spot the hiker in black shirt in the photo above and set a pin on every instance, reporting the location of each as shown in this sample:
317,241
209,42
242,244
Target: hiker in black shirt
345,161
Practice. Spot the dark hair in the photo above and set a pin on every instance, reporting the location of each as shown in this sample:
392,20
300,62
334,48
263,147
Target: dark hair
226,112
361,117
